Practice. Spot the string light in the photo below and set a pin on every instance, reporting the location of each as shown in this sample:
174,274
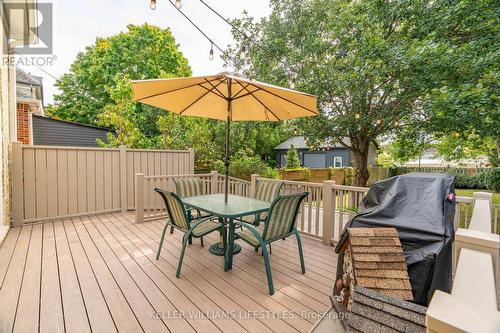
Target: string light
152,4
178,4
379,121
211,53
457,134
396,123
357,115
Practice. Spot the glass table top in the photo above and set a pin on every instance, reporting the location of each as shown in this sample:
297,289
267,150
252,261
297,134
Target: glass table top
236,205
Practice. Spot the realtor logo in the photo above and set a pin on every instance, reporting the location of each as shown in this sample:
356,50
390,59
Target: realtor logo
29,26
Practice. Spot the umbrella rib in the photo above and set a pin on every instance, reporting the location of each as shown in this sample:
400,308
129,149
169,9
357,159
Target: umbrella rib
221,94
258,100
199,98
247,94
174,90
236,95
283,98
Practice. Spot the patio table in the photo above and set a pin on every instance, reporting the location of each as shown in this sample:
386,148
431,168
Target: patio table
235,207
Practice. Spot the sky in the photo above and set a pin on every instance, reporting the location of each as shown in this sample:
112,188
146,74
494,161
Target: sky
77,23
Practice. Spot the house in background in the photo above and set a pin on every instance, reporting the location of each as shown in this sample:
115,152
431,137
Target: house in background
33,127
327,155
29,101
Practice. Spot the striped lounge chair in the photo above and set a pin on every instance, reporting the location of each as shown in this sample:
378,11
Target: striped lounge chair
266,190
179,218
279,224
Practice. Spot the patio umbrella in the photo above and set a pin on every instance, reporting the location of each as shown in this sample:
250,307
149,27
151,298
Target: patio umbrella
225,96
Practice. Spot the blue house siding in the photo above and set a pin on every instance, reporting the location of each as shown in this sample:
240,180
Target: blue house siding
329,157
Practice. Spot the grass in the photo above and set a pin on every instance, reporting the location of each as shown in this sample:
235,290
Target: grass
468,193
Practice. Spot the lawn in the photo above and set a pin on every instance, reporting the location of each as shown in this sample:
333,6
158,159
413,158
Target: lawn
468,193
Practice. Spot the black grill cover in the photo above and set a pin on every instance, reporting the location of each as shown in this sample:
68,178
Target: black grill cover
421,207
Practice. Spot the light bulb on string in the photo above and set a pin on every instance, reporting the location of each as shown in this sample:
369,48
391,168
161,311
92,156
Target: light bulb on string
357,115
211,53
152,4
396,123
178,4
378,121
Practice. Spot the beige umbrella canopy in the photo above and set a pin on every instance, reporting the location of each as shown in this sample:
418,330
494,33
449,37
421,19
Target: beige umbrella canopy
225,96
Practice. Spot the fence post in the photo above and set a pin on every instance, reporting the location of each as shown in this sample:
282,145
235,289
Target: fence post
214,182
328,211
253,184
123,178
139,197
483,196
17,184
191,160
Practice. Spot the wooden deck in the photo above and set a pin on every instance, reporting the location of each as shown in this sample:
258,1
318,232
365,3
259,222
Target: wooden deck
99,274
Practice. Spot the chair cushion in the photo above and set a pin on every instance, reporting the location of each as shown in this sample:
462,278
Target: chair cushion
248,236
205,227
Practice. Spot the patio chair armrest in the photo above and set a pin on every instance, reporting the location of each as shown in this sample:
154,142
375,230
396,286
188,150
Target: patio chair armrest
252,230
195,223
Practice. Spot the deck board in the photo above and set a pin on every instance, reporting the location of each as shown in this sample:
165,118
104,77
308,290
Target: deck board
99,274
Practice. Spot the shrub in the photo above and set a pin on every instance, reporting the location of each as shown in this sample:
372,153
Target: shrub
292,159
243,166
398,170
491,178
466,181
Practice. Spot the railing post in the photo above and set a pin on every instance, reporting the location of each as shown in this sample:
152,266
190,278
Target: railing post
17,184
328,211
214,182
253,184
191,160
139,197
123,178
483,196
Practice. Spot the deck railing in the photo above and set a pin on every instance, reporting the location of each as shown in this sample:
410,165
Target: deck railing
323,214
472,305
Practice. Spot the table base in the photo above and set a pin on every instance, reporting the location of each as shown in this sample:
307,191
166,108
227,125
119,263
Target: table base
218,249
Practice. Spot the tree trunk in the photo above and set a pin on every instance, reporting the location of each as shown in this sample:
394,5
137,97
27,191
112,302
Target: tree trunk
361,148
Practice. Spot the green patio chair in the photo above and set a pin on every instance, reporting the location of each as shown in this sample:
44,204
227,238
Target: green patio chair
181,219
279,224
189,187
266,190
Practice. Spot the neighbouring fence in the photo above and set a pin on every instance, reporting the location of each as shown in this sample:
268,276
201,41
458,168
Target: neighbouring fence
345,175
55,182
323,214
472,304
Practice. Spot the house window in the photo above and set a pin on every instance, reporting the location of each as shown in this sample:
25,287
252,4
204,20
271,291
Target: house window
337,162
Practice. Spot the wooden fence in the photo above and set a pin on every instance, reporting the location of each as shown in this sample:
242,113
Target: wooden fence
56,182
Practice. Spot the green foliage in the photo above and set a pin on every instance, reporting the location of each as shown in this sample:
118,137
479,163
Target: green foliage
244,164
292,159
143,52
491,178
97,91
466,181
380,66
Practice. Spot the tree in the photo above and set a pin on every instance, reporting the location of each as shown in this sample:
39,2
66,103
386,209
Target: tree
461,112
143,52
354,55
372,63
292,159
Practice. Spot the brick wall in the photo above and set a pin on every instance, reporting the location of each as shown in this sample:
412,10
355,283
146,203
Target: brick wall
23,126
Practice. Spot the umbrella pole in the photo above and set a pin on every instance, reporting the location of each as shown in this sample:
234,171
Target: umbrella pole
228,132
